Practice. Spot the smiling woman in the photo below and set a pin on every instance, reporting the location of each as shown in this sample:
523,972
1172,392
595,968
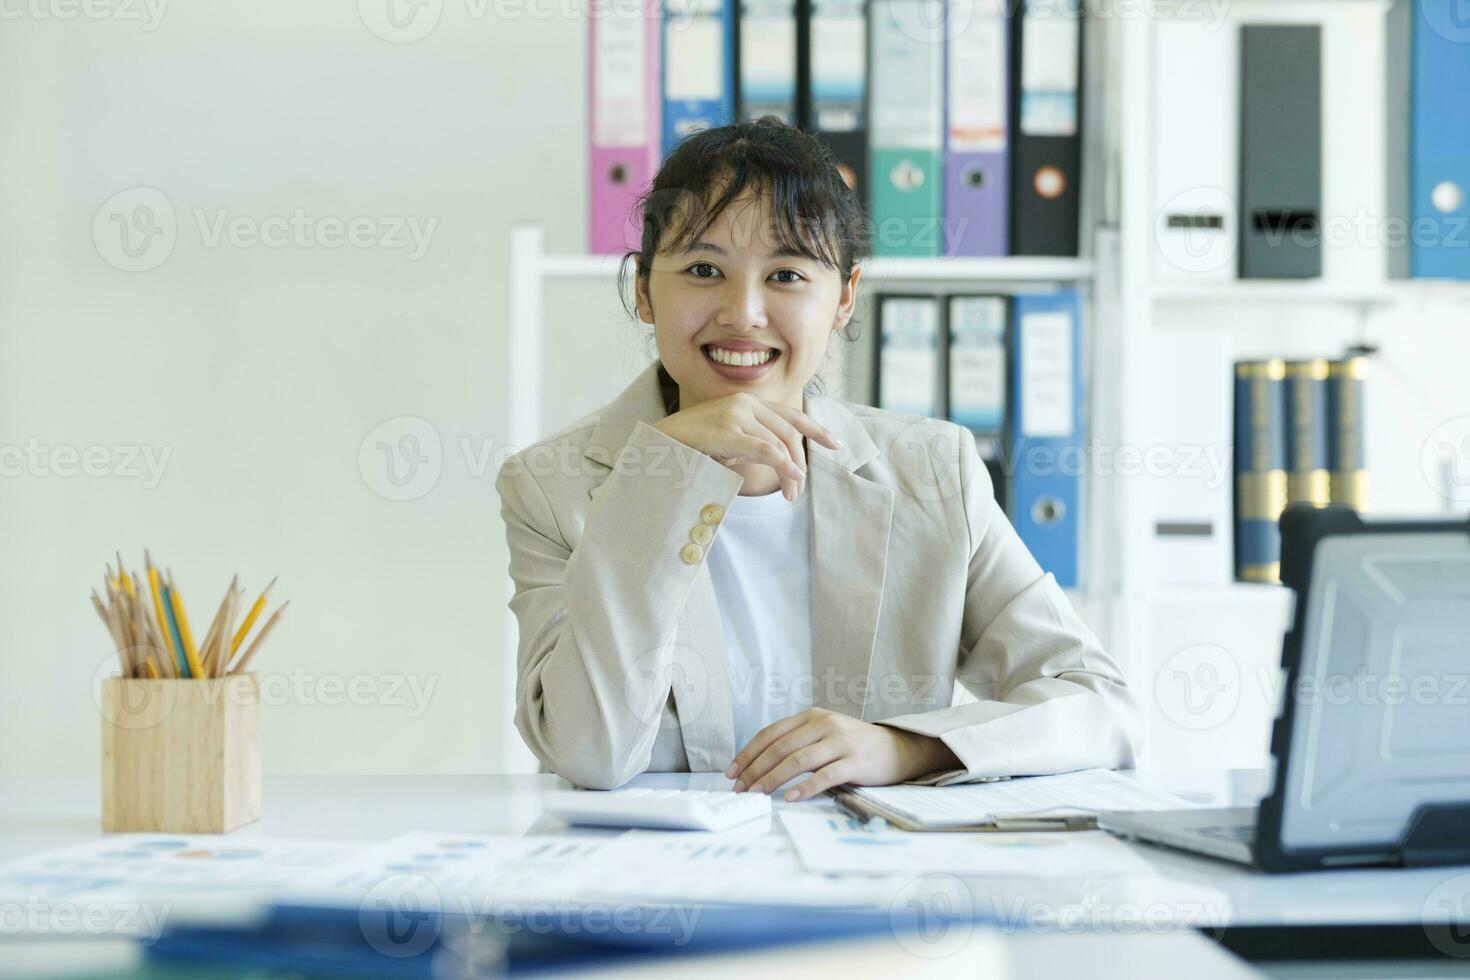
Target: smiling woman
676,613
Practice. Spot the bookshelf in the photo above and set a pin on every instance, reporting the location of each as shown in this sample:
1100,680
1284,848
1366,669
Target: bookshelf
1175,341
1158,355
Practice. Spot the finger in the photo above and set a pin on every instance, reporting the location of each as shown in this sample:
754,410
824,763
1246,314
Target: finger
830,775
766,448
807,759
777,752
786,432
760,740
791,439
806,424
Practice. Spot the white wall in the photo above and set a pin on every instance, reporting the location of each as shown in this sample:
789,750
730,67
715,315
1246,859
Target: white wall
261,370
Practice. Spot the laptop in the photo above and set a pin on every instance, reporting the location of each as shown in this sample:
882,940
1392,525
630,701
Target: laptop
1371,743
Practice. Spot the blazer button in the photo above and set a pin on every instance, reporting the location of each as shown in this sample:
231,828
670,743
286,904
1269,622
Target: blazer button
702,535
691,553
712,514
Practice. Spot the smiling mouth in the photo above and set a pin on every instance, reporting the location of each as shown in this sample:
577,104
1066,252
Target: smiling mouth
739,358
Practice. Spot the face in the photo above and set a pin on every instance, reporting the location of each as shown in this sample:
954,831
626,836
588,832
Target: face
735,314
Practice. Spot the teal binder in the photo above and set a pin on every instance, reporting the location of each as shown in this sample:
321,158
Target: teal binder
906,127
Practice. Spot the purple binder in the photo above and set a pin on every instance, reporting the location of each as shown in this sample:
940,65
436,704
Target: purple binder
977,136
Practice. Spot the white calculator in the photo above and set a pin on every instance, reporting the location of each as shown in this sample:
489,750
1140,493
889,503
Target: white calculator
657,809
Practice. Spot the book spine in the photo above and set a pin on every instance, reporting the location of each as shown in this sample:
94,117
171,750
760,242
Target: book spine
1306,433
1349,475
1260,468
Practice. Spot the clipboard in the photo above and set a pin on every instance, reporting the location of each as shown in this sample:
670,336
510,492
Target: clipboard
861,808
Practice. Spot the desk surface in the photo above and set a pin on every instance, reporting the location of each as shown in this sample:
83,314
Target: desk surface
42,813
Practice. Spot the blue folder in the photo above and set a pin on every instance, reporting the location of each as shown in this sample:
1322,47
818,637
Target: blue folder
324,941
1440,231
1045,447
698,67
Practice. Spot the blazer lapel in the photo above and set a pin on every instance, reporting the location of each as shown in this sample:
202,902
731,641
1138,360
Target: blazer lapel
851,518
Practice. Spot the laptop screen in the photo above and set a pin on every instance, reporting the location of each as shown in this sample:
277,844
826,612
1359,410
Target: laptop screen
1382,713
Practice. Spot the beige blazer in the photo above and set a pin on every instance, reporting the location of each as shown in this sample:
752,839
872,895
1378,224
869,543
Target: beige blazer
918,582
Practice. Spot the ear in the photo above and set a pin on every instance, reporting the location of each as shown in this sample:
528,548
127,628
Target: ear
848,303
640,290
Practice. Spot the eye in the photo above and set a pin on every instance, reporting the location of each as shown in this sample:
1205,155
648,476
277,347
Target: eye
702,265
789,272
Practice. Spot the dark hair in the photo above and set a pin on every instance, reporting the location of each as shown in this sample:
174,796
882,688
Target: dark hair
813,211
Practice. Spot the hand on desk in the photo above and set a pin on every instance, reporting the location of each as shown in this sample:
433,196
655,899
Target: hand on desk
836,749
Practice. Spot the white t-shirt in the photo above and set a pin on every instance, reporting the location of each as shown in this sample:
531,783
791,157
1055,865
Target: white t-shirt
760,563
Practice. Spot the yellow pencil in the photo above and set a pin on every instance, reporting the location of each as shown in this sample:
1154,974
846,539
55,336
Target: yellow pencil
250,618
244,660
158,604
191,652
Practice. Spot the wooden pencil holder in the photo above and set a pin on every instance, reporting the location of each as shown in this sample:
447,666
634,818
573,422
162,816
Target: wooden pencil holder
180,756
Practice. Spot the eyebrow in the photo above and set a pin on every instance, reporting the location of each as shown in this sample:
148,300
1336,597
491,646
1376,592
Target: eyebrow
784,252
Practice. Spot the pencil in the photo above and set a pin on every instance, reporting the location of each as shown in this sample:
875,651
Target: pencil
162,619
181,616
223,649
107,621
255,643
206,649
250,618
173,629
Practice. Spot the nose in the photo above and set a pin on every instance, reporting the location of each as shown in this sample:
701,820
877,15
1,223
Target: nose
742,305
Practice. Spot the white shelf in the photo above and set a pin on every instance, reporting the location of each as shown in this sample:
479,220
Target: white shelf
1018,270
1276,292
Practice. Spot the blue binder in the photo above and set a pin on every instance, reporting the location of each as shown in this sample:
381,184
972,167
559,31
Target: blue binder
1045,448
1440,183
698,67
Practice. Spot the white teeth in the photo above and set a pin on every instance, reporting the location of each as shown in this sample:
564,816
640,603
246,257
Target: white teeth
739,358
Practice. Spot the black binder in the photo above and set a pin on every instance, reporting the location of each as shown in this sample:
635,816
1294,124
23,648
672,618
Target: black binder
834,108
1046,127
1280,151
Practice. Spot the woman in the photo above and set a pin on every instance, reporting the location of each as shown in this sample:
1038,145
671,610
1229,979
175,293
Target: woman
677,613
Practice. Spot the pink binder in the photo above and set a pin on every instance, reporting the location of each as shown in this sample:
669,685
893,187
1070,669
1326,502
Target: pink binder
623,118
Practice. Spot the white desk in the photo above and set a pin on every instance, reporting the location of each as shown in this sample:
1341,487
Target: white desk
45,813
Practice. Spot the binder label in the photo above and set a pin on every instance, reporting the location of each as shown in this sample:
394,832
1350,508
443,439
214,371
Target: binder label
768,59
620,117
1051,36
977,76
694,51
909,359
977,362
908,54
839,45
1046,375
